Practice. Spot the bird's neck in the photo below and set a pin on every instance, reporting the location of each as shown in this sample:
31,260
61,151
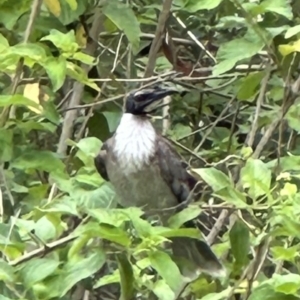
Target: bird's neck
134,141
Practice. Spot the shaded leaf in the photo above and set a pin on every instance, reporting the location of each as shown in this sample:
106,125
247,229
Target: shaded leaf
6,272
281,7
240,242
40,160
38,269
124,18
250,85
75,271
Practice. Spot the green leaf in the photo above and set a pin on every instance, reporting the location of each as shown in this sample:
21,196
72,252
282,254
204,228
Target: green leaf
285,254
45,229
166,268
266,291
39,160
287,284
179,232
3,43
214,178
75,271
113,119
29,50
80,75
292,31
194,5
232,196
6,100
189,213
231,52
127,278
240,243
63,41
90,146
37,269
256,176
281,7
114,234
63,205
56,68
250,85
84,58
73,4
289,48
6,272
124,18
162,290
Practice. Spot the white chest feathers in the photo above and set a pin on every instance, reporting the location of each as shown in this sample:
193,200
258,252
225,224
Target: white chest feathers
134,142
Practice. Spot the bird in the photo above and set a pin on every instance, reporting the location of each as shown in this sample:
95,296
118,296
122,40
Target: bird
147,171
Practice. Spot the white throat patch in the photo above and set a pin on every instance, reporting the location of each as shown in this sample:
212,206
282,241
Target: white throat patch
134,142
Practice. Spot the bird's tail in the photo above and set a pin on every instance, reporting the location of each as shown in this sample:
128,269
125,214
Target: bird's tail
194,257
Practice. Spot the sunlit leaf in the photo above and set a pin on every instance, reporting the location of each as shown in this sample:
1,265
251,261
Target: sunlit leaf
167,269
32,92
53,6
256,176
213,177
56,68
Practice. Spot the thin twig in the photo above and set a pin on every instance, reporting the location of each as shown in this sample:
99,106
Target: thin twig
192,36
214,124
217,227
37,252
260,100
159,35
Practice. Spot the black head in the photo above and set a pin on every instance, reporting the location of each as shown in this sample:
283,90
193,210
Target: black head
146,101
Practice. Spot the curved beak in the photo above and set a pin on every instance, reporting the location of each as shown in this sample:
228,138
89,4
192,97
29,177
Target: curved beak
152,96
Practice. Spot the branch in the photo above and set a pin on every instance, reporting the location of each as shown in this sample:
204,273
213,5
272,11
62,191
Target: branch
260,99
159,35
37,252
78,89
36,5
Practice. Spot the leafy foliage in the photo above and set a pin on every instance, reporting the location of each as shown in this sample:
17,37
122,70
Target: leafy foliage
64,69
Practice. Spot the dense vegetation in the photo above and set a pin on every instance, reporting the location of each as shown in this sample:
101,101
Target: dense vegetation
65,66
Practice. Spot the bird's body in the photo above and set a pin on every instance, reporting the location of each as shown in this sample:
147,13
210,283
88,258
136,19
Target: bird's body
147,172
133,167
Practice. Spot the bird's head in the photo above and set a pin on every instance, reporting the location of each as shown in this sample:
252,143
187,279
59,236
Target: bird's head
146,101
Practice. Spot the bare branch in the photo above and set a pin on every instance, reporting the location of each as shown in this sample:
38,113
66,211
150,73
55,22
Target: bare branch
159,35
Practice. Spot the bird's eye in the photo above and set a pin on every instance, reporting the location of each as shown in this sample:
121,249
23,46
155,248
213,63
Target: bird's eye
139,98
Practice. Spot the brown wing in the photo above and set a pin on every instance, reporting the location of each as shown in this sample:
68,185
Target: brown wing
100,159
174,170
